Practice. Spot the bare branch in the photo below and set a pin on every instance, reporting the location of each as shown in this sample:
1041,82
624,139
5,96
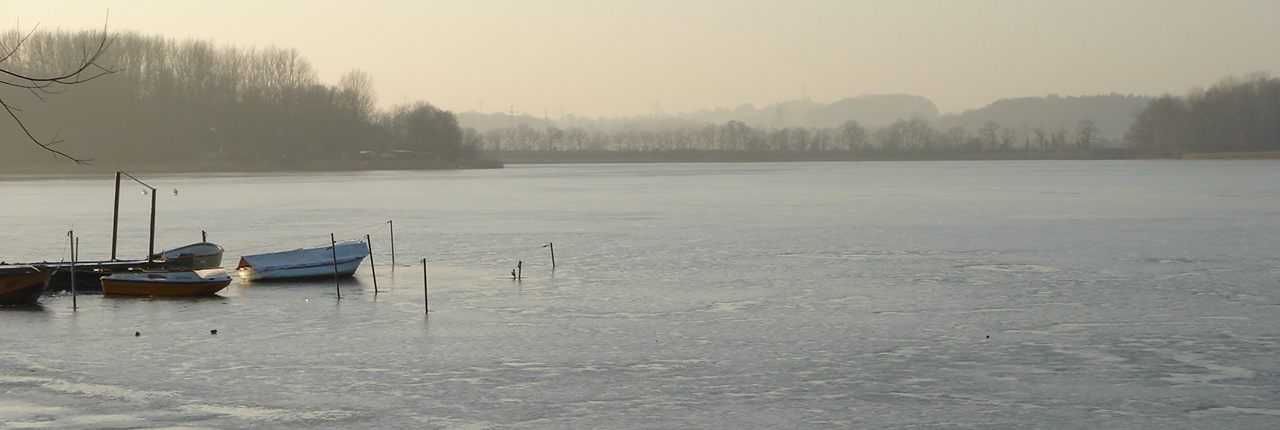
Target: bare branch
85,70
48,146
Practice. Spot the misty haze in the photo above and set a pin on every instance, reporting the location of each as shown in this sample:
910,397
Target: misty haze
561,214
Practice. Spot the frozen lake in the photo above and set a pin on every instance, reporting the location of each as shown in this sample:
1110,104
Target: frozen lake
1047,294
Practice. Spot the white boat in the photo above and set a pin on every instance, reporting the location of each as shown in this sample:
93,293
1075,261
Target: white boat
305,262
203,282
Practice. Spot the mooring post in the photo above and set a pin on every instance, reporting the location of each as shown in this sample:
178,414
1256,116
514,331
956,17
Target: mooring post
333,246
75,255
519,270
71,234
553,254
426,296
204,237
151,242
372,267
393,243
115,218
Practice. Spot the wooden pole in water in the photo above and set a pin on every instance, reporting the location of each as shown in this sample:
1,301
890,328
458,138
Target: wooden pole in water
426,296
151,243
519,270
393,243
333,246
553,254
204,237
372,267
72,238
75,257
115,218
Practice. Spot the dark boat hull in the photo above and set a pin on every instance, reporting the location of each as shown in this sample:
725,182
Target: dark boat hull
23,288
88,274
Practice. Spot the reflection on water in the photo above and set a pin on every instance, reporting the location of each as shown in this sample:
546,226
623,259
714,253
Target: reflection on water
807,295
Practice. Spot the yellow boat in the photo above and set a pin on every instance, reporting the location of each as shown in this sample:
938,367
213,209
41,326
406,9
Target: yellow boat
203,282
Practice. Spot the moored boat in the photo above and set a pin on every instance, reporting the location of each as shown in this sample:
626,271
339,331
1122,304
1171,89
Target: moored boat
199,282
87,273
305,262
22,284
202,255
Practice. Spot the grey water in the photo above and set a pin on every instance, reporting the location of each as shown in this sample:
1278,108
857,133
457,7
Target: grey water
923,295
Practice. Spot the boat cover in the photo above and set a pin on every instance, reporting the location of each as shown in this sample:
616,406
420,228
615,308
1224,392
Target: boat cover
306,257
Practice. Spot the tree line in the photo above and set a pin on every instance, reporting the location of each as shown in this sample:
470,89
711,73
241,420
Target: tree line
188,100
913,134
158,100
1234,115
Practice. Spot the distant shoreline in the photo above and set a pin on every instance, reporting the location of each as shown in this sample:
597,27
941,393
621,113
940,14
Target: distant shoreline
1252,155
64,168
705,156
709,156
491,161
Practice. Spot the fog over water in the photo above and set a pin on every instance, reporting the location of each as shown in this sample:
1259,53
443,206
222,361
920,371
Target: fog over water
1077,294
636,58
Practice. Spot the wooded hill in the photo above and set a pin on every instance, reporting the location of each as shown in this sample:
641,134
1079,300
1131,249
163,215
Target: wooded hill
1236,115
176,102
1112,114
164,102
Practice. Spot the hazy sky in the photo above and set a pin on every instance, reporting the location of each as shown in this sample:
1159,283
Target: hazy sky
622,57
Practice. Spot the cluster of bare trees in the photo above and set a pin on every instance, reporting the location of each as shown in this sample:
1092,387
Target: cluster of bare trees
41,79
1234,115
904,135
171,100
425,129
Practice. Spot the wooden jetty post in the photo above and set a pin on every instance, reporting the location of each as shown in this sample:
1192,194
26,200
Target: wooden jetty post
372,267
333,246
115,218
151,238
72,242
426,296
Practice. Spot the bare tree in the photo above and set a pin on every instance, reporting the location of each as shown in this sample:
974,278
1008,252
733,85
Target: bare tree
577,137
43,84
1085,132
356,89
989,134
1008,137
1058,138
1040,133
955,137
852,135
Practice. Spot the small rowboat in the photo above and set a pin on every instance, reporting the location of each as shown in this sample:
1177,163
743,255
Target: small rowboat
202,255
341,259
202,282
